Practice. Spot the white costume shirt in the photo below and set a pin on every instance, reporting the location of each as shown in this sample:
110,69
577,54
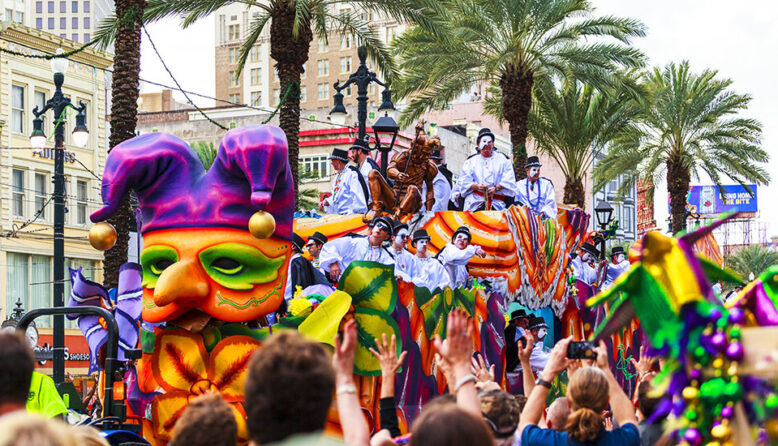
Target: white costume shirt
345,250
427,272
539,357
365,169
402,262
441,190
455,261
614,271
583,271
538,196
348,197
492,171
288,291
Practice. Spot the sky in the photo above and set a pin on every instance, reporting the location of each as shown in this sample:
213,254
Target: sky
738,39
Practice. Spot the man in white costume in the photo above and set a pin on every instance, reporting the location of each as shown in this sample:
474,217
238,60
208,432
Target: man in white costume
487,178
456,255
402,257
339,253
349,190
441,185
619,265
424,271
536,192
582,264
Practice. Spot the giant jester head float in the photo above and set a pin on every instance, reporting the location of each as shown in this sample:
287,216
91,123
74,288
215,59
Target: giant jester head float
210,248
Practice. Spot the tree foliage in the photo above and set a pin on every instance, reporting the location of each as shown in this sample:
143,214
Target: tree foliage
751,259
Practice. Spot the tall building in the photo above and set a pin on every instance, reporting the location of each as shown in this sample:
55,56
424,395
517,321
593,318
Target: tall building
625,208
258,85
69,19
26,188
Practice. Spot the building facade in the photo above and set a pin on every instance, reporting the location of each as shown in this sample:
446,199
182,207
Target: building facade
26,188
329,60
75,20
624,209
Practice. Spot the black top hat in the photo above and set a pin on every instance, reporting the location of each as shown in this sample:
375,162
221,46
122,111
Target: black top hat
297,242
532,161
462,230
591,249
420,234
537,322
318,237
617,250
359,144
340,155
397,225
519,314
483,132
436,155
384,223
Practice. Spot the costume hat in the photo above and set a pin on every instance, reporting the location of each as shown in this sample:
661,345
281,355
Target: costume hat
360,144
617,250
537,322
384,223
588,247
340,155
318,237
298,242
420,234
519,314
532,161
397,225
481,133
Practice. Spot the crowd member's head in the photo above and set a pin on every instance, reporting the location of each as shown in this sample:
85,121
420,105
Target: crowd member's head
448,425
358,151
421,241
298,243
588,252
208,420
16,366
89,436
647,404
532,168
436,157
557,414
339,159
617,255
501,413
521,400
275,408
380,230
538,329
400,235
23,429
587,394
461,237
315,243
520,318
485,142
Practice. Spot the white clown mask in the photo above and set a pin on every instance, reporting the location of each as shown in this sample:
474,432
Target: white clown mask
421,245
534,172
484,141
459,238
619,258
586,257
542,332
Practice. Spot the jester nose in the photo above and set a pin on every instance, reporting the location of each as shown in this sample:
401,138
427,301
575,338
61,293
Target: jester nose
181,282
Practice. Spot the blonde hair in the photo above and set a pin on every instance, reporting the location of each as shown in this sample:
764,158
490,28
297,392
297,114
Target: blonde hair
588,395
89,436
23,429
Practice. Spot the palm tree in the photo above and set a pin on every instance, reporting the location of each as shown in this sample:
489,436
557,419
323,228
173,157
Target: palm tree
293,26
689,127
753,259
573,123
508,45
124,117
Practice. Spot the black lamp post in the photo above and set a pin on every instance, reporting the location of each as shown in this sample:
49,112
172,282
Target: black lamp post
384,125
604,212
59,104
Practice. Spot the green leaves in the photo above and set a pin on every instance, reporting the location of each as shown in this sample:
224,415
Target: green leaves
753,259
371,285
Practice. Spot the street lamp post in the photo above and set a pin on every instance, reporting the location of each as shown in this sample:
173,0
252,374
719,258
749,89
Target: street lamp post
59,104
603,211
385,124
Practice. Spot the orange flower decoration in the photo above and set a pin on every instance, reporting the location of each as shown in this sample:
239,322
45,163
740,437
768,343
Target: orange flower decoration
184,369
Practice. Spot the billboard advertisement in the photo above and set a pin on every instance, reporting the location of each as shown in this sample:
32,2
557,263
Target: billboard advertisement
709,200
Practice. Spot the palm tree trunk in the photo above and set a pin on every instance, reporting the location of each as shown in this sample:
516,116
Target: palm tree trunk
124,117
575,193
516,103
678,187
290,54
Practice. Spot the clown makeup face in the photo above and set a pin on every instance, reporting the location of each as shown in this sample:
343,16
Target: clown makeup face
421,248
542,332
586,257
618,258
486,145
461,241
378,235
533,173
400,239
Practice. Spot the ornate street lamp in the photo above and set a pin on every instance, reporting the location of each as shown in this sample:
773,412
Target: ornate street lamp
59,104
604,212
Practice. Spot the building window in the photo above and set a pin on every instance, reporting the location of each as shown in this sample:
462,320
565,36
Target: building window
18,192
86,6
324,67
233,55
317,164
345,64
348,91
40,288
74,6
324,46
323,91
39,23
63,23
87,37
627,219
19,17
51,22
302,75
39,7
256,76
17,109
50,7
256,53
74,23
275,74
371,88
39,100
17,283
234,79
303,94
233,32
345,41
74,37
276,96
87,23
81,198
235,98
40,194
256,98
63,7
390,33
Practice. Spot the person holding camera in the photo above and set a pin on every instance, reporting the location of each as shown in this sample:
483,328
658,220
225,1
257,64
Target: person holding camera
590,390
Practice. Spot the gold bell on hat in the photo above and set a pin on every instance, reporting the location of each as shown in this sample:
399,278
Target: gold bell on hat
102,236
262,224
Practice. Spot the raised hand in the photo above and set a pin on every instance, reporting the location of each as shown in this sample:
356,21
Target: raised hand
483,372
458,346
343,356
387,358
644,363
526,352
